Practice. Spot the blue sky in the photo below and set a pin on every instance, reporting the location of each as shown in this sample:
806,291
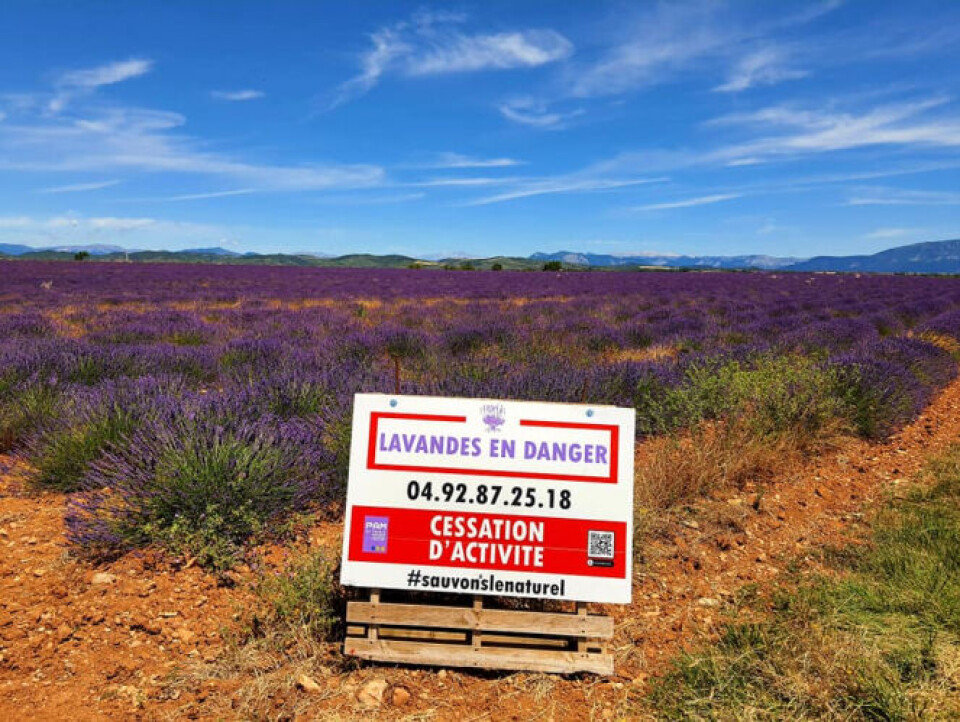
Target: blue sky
488,128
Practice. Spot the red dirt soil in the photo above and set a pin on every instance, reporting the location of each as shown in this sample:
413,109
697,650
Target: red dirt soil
85,643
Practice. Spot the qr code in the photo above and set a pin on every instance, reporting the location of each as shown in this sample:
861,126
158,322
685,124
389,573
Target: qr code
600,544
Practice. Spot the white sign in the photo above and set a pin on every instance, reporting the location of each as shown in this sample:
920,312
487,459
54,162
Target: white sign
504,498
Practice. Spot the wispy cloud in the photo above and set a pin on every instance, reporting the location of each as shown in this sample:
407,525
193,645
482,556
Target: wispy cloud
370,200
766,66
883,233
898,197
458,160
80,187
141,231
107,74
100,138
561,184
536,113
658,43
237,95
73,83
817,131
460,182
204,196
435,44
689,202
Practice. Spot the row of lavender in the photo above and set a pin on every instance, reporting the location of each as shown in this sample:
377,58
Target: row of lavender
196,406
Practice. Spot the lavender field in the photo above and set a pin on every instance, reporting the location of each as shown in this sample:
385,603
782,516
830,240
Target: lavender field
201,407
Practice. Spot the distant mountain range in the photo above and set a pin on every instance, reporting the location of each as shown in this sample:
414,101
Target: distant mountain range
667,261
931,257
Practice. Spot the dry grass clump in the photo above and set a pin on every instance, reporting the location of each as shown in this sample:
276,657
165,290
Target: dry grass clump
678,468
722,454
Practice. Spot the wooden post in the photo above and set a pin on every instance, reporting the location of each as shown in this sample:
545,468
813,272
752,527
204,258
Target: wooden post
581,641
373,631
476,636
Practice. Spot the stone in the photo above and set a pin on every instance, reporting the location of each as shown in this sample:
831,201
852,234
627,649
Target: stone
307,683
708,602
371,694
103,578
399,697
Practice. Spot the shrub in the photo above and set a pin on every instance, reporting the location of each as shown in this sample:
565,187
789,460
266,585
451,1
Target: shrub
878,396
24,408
89,422
778,394
200,480
307,598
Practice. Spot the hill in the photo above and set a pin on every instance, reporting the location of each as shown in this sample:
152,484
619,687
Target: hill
930,257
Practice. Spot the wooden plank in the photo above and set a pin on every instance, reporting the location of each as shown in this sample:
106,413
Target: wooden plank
384,650
464,638
523,641
440,635
493,620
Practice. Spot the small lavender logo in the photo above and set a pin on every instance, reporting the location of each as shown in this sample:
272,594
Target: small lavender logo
493,415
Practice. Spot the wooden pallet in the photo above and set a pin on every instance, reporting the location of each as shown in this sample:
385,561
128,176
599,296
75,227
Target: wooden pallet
475,636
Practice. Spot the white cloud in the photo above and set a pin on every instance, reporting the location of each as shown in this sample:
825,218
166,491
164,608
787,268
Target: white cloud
103,139
458,53
434,44
457,160
371,200
656,45
237,95
205,196
80,187
535,113
15,221
105,74
459,182
766,66
898,197
690,202
74,83
74,229
561,184
882,233
819,131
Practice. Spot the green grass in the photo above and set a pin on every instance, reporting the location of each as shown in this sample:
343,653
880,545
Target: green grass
307,599
877,640
65,454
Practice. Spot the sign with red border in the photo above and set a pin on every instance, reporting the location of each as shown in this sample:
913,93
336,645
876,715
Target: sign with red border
483,496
